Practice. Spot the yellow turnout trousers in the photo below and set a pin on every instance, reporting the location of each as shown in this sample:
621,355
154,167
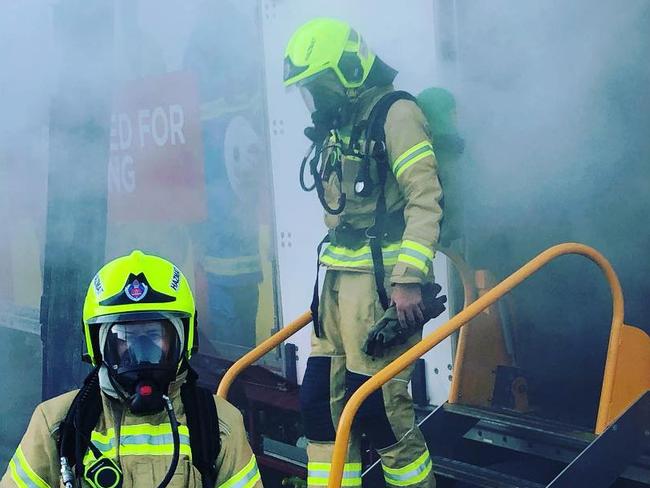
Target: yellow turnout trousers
336,367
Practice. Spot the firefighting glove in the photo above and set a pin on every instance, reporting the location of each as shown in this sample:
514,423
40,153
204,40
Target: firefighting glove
389,332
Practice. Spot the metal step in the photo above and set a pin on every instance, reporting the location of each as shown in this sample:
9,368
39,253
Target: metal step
448,426
562,433
544,438
478,476
523,433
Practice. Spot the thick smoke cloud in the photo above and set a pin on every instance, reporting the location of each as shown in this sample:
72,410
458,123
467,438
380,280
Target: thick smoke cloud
554,108
553,104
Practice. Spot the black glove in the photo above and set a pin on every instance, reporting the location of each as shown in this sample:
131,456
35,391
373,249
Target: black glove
389,332
434,305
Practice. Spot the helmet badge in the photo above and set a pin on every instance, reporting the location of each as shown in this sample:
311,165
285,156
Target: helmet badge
136,290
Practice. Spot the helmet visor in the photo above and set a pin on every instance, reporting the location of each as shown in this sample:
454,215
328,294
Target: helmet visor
152,343
308,98
323,93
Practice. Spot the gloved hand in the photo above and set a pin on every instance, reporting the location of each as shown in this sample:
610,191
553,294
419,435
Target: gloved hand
389,332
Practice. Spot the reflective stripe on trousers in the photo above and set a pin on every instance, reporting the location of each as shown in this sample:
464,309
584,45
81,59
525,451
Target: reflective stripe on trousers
411,473
318,474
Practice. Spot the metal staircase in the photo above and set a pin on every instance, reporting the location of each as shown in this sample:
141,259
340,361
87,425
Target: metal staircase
487,434
480,447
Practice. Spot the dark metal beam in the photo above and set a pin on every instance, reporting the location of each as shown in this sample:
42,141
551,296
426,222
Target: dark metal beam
603,461
76,215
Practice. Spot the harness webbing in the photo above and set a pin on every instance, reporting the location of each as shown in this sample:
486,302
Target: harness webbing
375,132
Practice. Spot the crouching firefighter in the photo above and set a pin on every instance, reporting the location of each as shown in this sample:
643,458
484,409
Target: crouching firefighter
139,420
373,167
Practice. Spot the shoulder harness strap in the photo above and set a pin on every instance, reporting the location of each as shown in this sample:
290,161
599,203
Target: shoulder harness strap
79,422
203,424
375,133
76,429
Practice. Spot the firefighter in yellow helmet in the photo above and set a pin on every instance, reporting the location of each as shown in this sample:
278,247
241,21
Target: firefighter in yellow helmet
373,167
140,419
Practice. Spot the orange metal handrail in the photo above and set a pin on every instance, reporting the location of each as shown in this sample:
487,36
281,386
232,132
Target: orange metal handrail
475,308
276,339
467,278
465,273
250,357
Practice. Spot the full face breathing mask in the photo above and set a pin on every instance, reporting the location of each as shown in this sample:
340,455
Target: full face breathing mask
142,359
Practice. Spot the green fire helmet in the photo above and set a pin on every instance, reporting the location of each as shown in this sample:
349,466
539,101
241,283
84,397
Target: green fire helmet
137,287
323,44
439,107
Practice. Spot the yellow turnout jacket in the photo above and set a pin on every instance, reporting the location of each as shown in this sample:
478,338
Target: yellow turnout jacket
141,445
412,188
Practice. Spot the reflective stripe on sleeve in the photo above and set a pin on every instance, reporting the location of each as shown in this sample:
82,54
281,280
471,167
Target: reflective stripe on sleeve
357,258
411,156
318,474
23,474
246,478
416,255
411,473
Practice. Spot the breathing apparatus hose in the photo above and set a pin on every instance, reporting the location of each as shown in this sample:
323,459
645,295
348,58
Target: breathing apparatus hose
177,442
303,166
316,173
72,426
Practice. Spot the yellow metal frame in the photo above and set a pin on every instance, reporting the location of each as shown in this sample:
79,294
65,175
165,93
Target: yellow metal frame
472,310
480,350
606,412
629,364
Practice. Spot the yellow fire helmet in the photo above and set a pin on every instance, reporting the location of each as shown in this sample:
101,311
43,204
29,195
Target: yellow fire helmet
137,287
327,44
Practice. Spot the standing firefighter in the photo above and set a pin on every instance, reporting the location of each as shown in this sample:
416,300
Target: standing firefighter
139,419
374,170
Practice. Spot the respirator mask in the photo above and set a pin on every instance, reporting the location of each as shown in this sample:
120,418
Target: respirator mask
142,359
328,103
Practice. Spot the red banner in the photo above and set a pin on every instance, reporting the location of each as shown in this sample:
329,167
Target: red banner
156,171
